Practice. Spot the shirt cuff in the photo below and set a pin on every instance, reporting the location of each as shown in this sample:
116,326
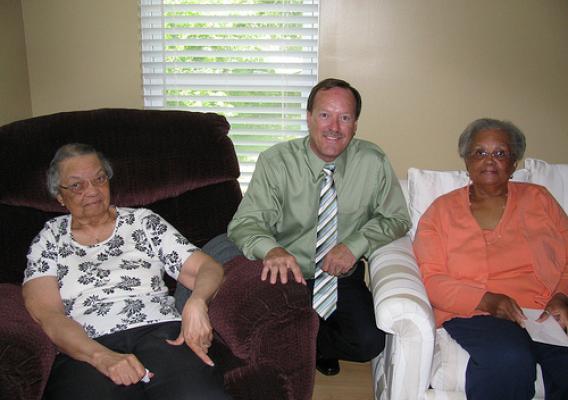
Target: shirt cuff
263,246
357,243
470,297
562,286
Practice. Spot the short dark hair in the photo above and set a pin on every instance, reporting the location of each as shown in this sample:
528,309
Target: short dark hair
517,140
67,151
331,83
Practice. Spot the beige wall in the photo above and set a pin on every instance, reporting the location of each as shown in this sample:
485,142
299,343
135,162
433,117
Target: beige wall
83,54
14,89
425,68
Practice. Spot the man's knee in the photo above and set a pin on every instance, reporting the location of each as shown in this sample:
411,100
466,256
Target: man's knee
369,345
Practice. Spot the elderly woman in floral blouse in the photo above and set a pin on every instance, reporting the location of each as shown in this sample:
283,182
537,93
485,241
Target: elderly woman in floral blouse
94,283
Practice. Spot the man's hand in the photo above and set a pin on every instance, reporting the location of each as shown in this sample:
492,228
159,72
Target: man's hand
278,262
338,261
122,369
502,306
196,330
557,307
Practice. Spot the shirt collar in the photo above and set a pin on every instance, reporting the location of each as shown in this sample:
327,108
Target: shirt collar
316,164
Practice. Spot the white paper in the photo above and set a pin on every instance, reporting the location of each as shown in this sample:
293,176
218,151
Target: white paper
548,331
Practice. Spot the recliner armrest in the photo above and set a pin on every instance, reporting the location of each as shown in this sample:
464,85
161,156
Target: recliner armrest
270,328
26,353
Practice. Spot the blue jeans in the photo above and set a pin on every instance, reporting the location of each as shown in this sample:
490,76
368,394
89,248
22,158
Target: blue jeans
503,360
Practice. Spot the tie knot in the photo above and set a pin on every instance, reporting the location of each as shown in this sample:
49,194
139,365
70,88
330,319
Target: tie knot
328,169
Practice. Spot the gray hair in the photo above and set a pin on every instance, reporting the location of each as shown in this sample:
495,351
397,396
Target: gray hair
68,151
517,141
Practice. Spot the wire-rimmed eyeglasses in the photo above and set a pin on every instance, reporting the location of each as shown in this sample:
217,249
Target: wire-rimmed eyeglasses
80,186
498,155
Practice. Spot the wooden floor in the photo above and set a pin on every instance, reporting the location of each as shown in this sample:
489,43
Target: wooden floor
352,383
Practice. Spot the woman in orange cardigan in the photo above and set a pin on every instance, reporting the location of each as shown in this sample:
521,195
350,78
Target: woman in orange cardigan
486,251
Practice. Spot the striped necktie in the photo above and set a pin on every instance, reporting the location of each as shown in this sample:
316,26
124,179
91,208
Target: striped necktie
325,285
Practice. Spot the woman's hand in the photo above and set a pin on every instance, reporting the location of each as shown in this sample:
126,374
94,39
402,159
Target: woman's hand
502,306
196,329
557,307
43,302
122,369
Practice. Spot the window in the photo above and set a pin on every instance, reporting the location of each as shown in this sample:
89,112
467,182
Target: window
253,61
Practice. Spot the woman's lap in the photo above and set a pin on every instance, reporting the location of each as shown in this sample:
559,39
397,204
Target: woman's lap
503,359
178,372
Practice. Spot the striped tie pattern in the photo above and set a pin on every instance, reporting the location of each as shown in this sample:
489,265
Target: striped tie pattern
325,285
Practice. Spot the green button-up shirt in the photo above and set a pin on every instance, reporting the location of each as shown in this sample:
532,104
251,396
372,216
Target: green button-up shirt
280,206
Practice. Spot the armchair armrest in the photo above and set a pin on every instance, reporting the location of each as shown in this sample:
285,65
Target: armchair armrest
26,353
270,329
402,310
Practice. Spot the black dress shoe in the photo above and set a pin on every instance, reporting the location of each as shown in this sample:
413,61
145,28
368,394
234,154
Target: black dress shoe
328,366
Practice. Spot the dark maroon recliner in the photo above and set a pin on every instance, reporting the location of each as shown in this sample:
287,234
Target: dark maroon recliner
183,166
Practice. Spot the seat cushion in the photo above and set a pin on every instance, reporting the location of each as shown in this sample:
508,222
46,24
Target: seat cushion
450,362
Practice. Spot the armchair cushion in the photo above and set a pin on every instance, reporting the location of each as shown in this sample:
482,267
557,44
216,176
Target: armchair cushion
424,186
113,131
553,176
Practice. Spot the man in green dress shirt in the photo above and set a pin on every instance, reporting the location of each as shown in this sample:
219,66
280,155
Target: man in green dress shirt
277,219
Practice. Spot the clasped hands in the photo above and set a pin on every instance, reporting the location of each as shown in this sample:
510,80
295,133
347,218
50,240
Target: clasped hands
502,306
278,263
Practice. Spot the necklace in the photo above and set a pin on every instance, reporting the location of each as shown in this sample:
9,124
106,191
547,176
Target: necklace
92,237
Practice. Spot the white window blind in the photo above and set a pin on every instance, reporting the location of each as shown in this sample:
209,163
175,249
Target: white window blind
253,61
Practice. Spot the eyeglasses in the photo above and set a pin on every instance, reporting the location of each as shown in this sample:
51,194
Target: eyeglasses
499,155
81,186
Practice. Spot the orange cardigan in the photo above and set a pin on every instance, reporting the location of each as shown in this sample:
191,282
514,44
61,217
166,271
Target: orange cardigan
452,252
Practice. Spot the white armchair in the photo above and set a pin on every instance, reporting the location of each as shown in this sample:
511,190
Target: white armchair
419,361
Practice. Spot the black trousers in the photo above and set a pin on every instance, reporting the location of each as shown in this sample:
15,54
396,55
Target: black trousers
351,332
179,373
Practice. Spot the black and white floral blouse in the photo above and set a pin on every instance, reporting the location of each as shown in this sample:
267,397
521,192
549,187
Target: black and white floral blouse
116,284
